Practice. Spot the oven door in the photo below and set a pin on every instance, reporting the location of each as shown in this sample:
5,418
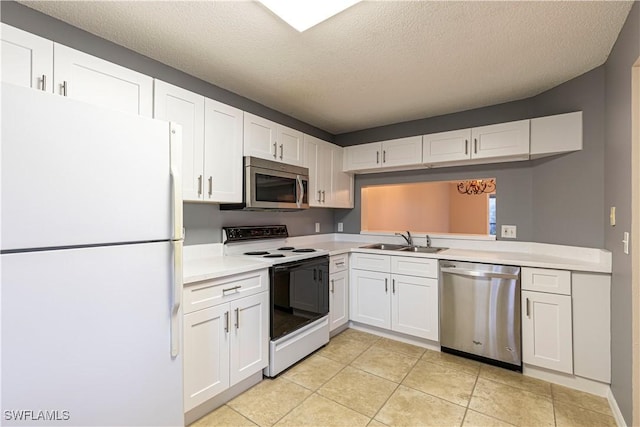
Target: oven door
271,189
299,294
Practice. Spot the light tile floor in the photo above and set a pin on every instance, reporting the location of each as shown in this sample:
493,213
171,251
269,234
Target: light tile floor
360,379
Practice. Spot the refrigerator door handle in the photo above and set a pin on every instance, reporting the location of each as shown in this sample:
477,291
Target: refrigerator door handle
175,142
176,298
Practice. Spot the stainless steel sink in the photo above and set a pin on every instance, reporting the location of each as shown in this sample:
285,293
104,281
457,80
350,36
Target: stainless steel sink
422,249
385,247
405,248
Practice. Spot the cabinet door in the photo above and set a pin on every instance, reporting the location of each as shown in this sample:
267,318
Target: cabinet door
414,306
172,103
290,146
402,152
446,146
249,350
96,81
362,157
222,152
314,160
370,298
259,137
206,354
547,339
501,140
341,182
27,60
338,299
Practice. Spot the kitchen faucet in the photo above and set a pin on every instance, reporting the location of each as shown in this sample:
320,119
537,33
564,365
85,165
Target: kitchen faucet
407,237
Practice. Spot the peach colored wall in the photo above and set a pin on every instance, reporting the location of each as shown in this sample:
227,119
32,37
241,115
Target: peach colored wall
406,207
468,214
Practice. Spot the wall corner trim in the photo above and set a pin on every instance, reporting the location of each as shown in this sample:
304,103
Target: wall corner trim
617,414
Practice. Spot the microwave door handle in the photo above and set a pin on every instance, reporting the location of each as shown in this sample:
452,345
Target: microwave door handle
301,193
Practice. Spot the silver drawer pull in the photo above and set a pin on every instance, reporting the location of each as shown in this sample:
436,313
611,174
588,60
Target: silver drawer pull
235,288
339,263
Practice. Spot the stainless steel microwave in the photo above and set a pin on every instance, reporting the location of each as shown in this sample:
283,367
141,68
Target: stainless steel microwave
272,185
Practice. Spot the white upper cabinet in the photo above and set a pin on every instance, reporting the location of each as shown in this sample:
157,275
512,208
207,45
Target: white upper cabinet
172,103
446,146
27,60
556,134
96,81
271,141
501,140
211,143
386,154
222,152
328,185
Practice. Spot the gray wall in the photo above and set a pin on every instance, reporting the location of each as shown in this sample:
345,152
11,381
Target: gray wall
22,17
617,164
558,199
204,222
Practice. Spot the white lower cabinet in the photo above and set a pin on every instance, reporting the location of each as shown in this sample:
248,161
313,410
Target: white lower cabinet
547,338
338,291
406,303
227,342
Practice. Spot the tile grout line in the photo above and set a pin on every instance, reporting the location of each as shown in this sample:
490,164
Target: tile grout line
473,389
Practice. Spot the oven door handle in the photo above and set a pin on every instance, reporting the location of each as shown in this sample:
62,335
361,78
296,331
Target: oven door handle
300,193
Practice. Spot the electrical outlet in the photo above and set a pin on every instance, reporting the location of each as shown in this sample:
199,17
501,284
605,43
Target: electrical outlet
508,232
317,227
340,227
625,242
612,216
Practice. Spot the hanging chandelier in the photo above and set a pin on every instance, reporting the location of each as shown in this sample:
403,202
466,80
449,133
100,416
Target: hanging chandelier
477,186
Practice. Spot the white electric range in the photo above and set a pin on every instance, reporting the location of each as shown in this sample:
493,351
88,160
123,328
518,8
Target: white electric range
299,291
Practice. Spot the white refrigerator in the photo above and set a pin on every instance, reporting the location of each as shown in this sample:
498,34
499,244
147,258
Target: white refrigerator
91,266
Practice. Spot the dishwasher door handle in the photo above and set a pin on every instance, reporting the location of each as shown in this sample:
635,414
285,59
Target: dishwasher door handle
474,273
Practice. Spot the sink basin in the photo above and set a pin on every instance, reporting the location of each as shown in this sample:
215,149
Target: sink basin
422,249
385,247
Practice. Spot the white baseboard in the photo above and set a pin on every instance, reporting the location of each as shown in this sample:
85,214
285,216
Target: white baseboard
617,415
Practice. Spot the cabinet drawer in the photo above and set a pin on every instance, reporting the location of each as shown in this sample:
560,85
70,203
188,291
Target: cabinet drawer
338,263
411,266
211,292
544,280
371,262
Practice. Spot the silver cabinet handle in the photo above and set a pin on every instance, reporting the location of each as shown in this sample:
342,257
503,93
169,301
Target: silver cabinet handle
275,150
386,285
319,196
393,286
466,146
210,186
528,308
323,196
226,321
281,151
235,288
377,157
237,318
475,145
384,156
474,273
199,185
64,88
339,263
333,287
44,82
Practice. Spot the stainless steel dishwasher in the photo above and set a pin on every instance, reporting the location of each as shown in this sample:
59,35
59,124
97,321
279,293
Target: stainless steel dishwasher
480,312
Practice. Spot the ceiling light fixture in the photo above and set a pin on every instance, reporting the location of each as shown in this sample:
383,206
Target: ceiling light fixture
477,186
304,14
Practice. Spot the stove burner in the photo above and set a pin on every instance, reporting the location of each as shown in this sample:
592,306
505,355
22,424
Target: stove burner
274,256
256,253
286,248
304,250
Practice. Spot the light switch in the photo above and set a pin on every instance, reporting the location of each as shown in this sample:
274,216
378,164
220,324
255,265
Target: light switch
612,216
317,227
625,242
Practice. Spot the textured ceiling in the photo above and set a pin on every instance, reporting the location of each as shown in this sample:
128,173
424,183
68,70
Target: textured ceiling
378,62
